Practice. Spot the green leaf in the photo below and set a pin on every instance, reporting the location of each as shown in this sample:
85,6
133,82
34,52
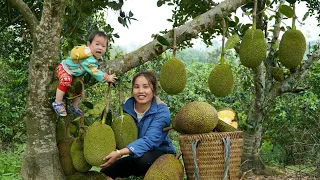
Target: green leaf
130,14
232,41
286,10
88,104
306,15
163,41
86,78
291,1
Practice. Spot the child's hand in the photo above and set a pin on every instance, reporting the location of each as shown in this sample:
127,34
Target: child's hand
112,78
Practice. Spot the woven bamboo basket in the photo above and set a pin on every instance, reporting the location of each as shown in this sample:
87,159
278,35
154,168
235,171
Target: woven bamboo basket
210,155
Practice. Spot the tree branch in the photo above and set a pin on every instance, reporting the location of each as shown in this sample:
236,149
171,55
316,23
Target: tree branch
26,12
185,32
288,85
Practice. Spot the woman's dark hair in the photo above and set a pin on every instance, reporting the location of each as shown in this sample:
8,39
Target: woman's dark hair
151,78
98,33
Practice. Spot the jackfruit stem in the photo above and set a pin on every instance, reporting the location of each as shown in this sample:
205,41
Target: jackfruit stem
120,98
254,15
174,49
81,126
294,17
224,29
106,109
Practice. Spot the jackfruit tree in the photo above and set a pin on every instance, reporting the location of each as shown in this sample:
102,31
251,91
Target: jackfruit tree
48,22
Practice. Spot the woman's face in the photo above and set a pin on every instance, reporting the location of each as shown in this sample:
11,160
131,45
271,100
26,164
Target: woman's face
142,90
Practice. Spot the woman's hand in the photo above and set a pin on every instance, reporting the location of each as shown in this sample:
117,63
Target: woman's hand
111,158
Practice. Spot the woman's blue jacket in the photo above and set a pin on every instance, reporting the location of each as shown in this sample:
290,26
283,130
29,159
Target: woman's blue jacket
150,128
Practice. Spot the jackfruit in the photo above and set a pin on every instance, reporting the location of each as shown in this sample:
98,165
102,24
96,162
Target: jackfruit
64,147
60,130
278,74
292,48
77,156
173,76
225,127
227,121
253,48
166,167
196,117
125,130
221,81
99,141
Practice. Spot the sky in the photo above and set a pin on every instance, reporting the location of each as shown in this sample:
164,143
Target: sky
153,19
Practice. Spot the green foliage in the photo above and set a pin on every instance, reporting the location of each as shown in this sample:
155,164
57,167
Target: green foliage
10,163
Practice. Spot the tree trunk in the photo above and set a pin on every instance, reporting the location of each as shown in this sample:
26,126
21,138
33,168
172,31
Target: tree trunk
41,157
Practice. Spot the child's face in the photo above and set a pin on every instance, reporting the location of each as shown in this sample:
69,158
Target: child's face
98,46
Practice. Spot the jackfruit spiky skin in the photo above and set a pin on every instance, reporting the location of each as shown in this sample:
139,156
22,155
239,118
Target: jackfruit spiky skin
99,141
166,167
60,130
173,76
77,156
221,80
195,118
278,74
253,48
64,147
224,127
292,48
125,130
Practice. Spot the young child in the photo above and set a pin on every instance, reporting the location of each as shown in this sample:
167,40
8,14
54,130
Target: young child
74,66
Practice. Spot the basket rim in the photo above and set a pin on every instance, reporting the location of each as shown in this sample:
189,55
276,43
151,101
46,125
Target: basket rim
241,133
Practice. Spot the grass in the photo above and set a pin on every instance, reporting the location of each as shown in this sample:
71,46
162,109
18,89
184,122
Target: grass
10,163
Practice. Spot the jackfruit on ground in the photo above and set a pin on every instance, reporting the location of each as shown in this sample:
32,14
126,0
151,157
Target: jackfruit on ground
125,130
77,156
99,141
196,117
64,147
166,167
173,76
221,81
292,48
253,48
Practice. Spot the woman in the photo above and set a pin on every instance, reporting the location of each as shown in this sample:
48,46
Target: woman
151,116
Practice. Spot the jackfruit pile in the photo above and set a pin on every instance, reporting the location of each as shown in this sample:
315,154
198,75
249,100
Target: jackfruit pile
292,48
173,76
78,155
221,81
253,48
195,118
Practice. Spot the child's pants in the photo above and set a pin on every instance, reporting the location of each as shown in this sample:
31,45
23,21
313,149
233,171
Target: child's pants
65,79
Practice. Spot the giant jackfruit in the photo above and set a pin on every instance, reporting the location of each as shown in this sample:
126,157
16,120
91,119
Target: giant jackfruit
253,48
77,156
125,130
166,167
99,141
292,48
173,76
221,81
196,117
64,147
